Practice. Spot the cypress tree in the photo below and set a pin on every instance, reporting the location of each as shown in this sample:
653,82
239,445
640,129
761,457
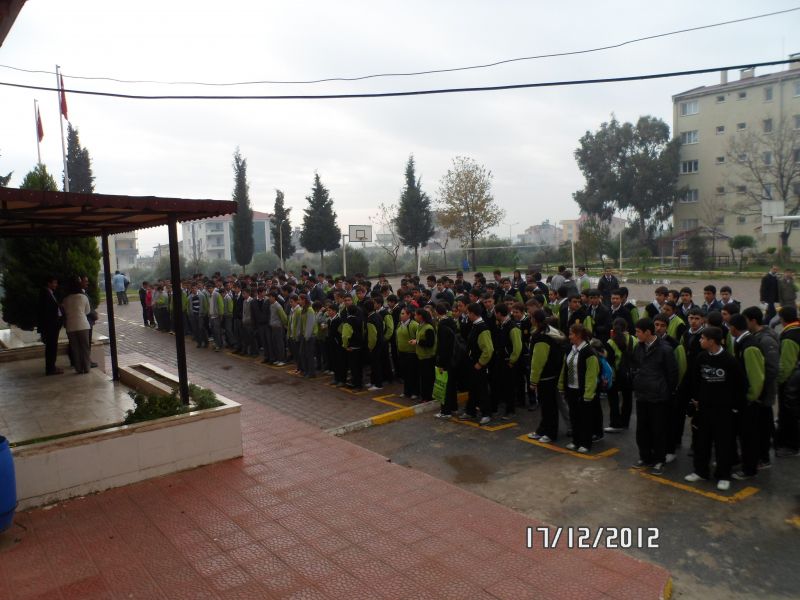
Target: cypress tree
414,220
320,231
81,180
280,216
29,261
243,219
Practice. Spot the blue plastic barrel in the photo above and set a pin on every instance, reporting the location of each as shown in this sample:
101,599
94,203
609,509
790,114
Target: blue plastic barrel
8,486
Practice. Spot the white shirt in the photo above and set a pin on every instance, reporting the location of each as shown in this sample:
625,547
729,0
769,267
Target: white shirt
76,307
572,382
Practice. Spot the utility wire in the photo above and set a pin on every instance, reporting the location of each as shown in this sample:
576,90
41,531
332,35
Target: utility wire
492,88
416,73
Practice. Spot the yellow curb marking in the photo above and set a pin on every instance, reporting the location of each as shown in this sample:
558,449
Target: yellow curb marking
554,448
393,415
383,400
794,521
738,496
667,593
484,427
352,392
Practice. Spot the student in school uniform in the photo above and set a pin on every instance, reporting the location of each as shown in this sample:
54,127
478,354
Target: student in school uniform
547,345
407,354
375,344
425,347
716,388
578,382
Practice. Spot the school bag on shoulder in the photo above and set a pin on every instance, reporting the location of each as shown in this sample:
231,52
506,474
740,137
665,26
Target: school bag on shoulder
459,356
606,379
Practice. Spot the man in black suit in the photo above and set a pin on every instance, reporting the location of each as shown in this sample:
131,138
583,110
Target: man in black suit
606,285
49,325
768,292
600,315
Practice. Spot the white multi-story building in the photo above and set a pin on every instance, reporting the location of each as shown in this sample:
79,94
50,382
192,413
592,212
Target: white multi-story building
122,251
546,235
571,228
708,119
210,239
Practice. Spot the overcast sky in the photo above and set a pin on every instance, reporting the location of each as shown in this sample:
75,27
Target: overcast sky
181,148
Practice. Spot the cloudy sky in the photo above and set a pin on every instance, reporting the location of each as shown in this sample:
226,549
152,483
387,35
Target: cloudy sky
359,147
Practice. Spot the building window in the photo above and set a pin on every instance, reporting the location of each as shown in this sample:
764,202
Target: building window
687,224
797,93
690,137
690,196
720,98
742,157
720,129
741,220
720,160
767,94
689,108
767,158
797,121
690,166
741,95
719,221
741,189
741,126
796,189
767,191
720,190
767,125
796,155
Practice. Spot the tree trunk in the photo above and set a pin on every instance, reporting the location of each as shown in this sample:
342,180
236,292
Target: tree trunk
473,253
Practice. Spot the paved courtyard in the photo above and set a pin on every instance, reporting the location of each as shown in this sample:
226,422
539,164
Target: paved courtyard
302,515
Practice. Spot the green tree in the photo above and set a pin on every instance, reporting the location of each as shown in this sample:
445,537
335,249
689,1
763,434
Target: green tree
281,228
414,217
467,209
81,179
593,240
320,231
742,243
243,219
29,261
630,168
697,251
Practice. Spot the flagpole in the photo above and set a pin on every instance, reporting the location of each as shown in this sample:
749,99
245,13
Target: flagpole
36,124
61,120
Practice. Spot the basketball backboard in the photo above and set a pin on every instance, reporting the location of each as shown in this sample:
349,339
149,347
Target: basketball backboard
360,233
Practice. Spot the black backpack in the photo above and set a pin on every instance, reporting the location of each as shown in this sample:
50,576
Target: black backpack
791,392
459,356
624,371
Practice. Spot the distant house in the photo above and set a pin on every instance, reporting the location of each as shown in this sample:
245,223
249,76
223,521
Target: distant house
545,234
571,228
211,239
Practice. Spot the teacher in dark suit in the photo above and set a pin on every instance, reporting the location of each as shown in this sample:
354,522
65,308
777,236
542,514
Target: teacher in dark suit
50,321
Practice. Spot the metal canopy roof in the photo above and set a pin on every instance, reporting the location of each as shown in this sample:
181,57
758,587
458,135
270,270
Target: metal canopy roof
27,213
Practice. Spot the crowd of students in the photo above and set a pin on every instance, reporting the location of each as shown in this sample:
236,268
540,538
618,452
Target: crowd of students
573,349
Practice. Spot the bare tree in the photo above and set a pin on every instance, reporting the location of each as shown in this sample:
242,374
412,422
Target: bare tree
765,165
387,238
712,215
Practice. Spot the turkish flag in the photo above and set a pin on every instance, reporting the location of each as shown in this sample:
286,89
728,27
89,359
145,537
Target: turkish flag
39,129
63,99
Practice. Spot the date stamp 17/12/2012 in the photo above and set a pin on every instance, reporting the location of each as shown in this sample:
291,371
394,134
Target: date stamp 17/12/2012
545,538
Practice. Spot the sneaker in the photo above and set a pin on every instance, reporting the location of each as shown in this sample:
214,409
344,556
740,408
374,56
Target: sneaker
671,458
485,420
280,363
545,440
786,452
640,464
658,469
443,415
507,417
414,397
723,485
374,388
764,464
570,446
466,416
583,450
597,438
534,436
742,476
693,477
613,430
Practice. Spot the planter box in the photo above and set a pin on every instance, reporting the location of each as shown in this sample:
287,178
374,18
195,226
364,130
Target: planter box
90,462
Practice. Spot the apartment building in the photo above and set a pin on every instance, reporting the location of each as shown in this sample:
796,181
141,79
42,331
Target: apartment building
715,173
546,235
571,228
211,239
122,251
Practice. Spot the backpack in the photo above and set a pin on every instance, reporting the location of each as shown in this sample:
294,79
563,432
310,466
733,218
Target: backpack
606,379
459,356
791,393
624,370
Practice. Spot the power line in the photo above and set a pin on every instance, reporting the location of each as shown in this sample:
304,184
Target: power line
515,86
417,73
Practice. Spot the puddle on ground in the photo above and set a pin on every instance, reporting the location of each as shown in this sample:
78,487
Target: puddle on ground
469,469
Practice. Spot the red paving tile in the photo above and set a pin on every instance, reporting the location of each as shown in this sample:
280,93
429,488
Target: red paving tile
302,515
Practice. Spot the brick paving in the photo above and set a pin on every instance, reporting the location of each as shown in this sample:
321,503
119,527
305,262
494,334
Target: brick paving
303,515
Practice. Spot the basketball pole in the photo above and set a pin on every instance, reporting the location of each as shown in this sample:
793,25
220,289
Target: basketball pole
344,255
